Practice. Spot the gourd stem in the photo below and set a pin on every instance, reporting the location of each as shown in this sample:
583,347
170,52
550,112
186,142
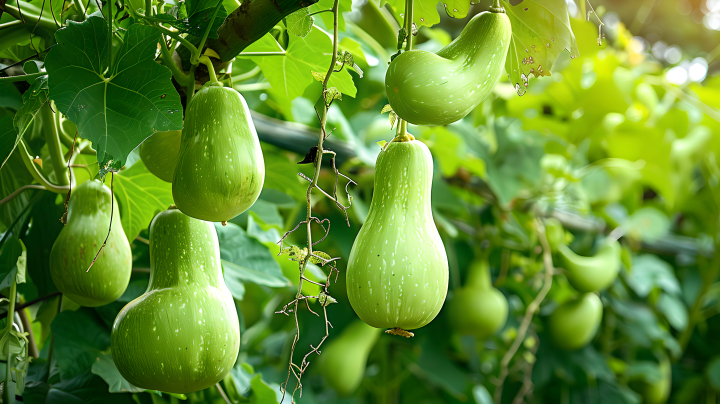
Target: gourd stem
497,7
191,84
250,74
180,76
196,55
479,276
79,7
409,23
53,143
148,8
10,320
173,35
211,70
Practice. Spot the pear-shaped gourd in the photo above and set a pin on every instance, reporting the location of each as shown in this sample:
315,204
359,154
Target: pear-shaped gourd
220,171
343,362
590,274
183,334
397,274
440,88
160,153
74,249
574,323
478,308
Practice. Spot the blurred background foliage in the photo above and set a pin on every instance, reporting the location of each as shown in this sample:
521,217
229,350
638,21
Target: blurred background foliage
622,139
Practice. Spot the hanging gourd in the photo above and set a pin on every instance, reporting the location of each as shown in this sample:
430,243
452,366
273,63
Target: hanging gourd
574,323
220,170
440,88
397,274
182,335
160,153
590,274
478,308
77,244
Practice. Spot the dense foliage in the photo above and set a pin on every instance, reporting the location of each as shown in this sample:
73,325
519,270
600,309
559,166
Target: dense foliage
577,205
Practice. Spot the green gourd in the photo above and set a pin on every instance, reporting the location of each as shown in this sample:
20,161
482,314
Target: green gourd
478,308
659,391
183,334
343,361
440,88
220,171
590,274
397,274
574,323
160,153
77,244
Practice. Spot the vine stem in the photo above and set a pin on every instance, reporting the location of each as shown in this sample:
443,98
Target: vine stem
196,55
408,22
529,312
180,76
52,138
308,216
8,373
58,189
22,77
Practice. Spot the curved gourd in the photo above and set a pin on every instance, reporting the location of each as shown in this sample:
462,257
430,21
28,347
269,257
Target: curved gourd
478,308
74,249
182,335
220,171
397,274
343,362
574,323
440,88
590,274
160,153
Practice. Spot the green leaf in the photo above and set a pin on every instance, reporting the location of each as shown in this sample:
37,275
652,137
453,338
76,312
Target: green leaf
247,259
649,271
262,392
80,338
540,32
33,99
291,74
425,11
106,369
674,310
647,224
140,196
192,17
119,106
40,238
299,23
327,18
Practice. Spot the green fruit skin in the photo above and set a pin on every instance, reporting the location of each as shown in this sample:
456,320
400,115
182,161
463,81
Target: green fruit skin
574,324
183,334
658,393
440,88
160,153
397,274
75,247
220,171
478,312
590,274
343,362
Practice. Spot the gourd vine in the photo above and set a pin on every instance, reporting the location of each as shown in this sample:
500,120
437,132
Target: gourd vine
307,255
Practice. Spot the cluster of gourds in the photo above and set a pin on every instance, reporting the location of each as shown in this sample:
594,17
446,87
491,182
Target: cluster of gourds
183,334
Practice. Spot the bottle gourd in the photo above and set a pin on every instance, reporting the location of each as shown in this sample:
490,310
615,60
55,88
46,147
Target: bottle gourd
183,334
440,88
590,274
397,272
220,171
74,249
574,323
343,362
160,153
478,308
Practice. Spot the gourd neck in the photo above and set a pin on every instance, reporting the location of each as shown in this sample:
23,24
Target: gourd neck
497,7
89,199
479,275
406,137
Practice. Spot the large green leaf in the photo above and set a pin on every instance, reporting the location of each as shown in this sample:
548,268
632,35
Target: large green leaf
291,74
192,17
140,196
118,106
540,31
425,11
46,226
80,338
105,368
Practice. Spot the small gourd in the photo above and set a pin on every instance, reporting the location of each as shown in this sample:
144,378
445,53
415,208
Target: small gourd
440,88
590,274
220,170
343,362
77,244
183,334
397,274
160,153
574,323
478,308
